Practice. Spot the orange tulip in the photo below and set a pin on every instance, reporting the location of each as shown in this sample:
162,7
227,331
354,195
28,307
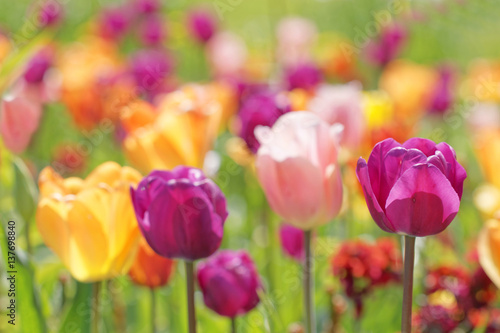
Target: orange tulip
90,223
184,130
85,71
489,250
150,269
409,86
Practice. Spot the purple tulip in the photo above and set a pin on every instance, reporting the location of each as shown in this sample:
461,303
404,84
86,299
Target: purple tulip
412,189
388,46
147,6
304,76
201,25
181,213
442,96
50,13
114,23
229,282
264,109
150,68
38,65
152,31
292,241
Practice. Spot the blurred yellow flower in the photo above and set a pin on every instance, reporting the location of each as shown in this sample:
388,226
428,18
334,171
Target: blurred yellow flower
489,250
184,130
378,108
409,86
483,81
90,223
487,146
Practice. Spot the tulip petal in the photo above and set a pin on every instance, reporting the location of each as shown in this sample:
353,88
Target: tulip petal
489,250
422,202
426,146
376,165
50,221
396,162
294,188
457,173
194,230
222,292
376,211
90,238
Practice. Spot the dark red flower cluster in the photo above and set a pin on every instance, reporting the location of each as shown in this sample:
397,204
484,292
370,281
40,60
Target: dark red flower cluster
361,266
455,297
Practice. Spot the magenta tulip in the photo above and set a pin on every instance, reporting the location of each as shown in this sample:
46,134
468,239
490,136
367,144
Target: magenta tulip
201,25
229,282
181,213
413,188
297,168
292,241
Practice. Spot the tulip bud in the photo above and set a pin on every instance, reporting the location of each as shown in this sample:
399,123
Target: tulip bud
229,282
181,213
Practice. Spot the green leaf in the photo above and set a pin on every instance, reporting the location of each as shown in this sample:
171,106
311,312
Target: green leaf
25,192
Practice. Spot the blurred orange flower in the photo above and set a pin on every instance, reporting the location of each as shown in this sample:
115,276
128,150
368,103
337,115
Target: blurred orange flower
150,269
91,87
409,87
90,223
184,130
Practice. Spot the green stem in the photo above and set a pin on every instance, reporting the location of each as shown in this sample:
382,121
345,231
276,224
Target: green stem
409,258
310,324
190,296
233,325
96,295
153,310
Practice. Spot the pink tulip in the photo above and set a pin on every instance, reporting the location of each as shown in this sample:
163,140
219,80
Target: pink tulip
297,168
227,54
296,37
342,104
19,119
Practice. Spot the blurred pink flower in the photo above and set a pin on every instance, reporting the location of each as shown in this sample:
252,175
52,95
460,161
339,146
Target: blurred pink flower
342,104
296,37
19,119
292,241
442,95
114,22
38,65
305,76
201,25
152,31
226,53
388,46
147,6
50,13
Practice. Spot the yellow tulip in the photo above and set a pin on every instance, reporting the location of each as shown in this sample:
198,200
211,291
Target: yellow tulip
489,250
90,223
184,131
